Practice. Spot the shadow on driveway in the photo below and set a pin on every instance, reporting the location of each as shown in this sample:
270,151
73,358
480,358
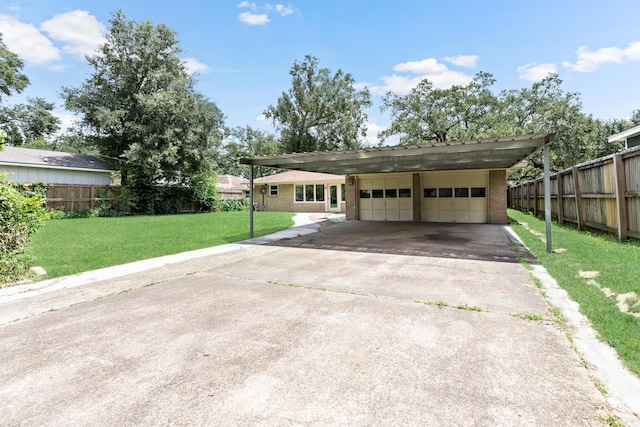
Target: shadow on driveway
482,242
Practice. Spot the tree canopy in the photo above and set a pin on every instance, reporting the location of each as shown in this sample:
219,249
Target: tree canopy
22,123
431,114
246,142
139,108
321,110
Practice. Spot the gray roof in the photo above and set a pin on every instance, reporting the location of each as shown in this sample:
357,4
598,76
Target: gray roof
490,153
16,156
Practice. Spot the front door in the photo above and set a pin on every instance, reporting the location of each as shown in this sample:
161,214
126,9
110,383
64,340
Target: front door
333,199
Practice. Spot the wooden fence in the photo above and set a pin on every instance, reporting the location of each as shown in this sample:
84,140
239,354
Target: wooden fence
79,197
603,194
82,197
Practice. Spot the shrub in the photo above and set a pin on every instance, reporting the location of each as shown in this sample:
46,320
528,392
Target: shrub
230,205
203,190
22,212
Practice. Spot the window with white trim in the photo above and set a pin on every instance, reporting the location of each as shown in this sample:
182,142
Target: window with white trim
273,190
309,193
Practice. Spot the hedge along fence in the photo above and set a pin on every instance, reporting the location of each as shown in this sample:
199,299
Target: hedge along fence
603,194
76,198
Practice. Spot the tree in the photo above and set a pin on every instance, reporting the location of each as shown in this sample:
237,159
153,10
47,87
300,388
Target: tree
140,111
321,111
29,124
247,142
431,114
11,78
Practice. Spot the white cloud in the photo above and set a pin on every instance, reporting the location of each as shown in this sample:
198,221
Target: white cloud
284,10
67,120
81,32
372,133
27,42
468,61
535,72
437,73
589,60
194,66
253,18
262,17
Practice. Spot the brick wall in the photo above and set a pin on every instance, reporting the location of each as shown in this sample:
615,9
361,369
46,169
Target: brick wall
498,197
350,198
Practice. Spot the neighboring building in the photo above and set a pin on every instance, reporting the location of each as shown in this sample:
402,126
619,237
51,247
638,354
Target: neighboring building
300,191
631,137
54,167
232,187
453,181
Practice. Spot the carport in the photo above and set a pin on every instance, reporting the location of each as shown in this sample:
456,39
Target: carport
399,172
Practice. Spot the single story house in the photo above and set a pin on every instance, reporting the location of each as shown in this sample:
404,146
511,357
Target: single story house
453,181
54,167
232,187
300,191
631,137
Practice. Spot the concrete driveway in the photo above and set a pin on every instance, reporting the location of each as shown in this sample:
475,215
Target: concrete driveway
361,323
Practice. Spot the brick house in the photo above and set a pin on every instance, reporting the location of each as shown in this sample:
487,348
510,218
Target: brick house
300,191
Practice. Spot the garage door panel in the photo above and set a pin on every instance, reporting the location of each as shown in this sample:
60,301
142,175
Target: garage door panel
391,198
447,197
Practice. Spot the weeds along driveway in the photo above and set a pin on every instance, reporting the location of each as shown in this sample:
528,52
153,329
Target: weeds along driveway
321,329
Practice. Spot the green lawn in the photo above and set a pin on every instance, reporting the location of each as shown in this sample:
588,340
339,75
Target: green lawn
68,246
597,272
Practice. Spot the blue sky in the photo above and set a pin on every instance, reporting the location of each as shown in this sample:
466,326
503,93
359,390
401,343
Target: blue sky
243,50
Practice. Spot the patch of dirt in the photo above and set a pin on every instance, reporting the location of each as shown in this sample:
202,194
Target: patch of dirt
588,274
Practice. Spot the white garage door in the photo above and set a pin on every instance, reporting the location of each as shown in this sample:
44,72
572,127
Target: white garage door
455,197
386,198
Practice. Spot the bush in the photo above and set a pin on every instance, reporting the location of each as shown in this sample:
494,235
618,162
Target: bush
203,190
22,212
231,205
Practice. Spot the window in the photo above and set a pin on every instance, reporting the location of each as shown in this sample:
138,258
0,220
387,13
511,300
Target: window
478,192
342,192
365,194
430,192
404,193
309,193
273,190
445,192
320,193
462,192
377,194
391,193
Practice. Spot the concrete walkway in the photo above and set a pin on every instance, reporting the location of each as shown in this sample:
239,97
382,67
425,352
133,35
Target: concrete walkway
350,325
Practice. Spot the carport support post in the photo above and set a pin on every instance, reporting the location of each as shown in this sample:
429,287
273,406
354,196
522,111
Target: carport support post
251,201
547,195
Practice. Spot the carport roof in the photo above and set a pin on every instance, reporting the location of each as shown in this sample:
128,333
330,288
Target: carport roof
488,153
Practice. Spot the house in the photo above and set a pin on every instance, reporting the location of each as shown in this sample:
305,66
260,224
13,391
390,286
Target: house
300,191
232,187
54,167
631,137
453,181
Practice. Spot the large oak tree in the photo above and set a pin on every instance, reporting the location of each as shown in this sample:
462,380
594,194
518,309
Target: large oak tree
139,108
321,111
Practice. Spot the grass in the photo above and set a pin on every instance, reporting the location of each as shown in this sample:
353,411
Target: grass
596,271
68,246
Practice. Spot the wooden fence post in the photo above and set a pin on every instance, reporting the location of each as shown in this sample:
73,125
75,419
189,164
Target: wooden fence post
535,198
560,201
578,196
621,200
